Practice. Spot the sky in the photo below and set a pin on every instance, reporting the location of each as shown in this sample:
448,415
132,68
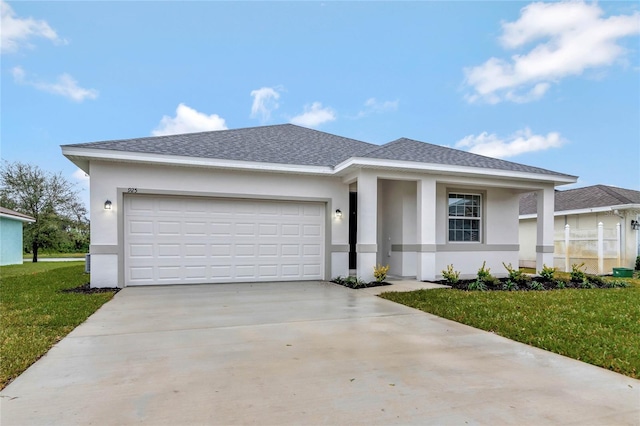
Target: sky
548,84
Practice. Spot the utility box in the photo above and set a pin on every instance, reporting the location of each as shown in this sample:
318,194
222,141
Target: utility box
623,272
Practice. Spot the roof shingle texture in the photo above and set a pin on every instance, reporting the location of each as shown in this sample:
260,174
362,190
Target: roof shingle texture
10,212
279,144
294,145
583,198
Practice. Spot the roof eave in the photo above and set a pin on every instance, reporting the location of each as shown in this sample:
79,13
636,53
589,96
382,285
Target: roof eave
587,210
82,156
18,218
360,162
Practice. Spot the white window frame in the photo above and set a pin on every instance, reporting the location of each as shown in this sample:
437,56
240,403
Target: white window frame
479,218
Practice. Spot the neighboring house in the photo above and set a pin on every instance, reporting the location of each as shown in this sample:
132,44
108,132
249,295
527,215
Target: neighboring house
11,236
284,202
583,209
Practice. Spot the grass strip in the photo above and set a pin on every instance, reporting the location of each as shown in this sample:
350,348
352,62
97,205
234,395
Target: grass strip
597,326
35,314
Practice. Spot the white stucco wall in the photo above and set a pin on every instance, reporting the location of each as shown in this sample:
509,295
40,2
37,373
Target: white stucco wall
108,180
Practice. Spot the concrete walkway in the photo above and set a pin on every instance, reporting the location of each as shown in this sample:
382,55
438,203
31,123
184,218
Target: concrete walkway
301,353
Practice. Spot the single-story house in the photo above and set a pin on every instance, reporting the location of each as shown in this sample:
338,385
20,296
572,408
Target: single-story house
578,212
11,223
284,202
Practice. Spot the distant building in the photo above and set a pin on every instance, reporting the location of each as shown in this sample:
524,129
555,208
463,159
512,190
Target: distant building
11,236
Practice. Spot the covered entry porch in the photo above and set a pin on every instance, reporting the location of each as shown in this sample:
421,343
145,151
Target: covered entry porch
420,223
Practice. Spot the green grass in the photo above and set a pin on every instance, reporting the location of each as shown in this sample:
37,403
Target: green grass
29,256
35,314
598,326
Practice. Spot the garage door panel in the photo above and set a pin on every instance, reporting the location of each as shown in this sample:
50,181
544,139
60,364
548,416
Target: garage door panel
173,240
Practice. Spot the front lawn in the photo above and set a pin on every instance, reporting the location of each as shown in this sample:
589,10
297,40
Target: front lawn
598,326
36,313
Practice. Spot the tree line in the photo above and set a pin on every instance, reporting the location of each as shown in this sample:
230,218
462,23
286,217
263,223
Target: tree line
61,218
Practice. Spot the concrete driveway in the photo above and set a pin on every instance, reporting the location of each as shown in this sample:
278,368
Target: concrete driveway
301,353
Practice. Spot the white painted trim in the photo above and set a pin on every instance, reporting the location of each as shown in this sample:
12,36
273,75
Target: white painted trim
584,211
80,157
18,218
138,157
444,169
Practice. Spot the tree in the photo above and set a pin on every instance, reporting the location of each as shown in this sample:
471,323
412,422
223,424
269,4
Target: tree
49,198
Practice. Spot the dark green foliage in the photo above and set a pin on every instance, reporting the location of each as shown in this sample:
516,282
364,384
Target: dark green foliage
577,274
547,272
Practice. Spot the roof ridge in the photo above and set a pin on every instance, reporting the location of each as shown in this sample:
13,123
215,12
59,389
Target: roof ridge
610,190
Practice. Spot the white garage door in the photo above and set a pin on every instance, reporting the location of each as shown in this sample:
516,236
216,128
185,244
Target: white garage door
182,240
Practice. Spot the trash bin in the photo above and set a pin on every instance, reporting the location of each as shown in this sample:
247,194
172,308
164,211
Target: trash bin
623,272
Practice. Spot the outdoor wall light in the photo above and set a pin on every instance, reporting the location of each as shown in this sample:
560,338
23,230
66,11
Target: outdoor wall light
338,214
107,205
635,225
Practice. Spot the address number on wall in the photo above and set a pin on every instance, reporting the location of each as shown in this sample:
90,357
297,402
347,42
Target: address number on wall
132,190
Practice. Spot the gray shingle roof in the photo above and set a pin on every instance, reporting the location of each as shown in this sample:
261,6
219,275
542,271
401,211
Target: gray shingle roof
280,144
295,145
14,213
583,198
411,150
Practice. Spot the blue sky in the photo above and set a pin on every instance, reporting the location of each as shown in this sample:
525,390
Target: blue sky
554,85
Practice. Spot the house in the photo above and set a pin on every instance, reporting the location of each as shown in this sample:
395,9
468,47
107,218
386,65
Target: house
11,223
578,212
284,202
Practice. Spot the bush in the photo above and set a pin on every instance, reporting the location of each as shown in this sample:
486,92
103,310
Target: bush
380,272
547,272
450,275
577,274
615,284
510,286
515,275
535,285
484,275
477,285
638,263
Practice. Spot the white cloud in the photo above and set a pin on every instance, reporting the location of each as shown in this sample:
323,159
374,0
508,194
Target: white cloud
571,37
188,120
314,115
16,31
372,105
265,100
65,86
520,142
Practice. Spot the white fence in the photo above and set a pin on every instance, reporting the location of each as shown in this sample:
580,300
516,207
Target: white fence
598,249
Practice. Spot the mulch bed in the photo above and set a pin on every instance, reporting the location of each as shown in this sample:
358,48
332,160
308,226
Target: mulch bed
536,283
356,286
86,289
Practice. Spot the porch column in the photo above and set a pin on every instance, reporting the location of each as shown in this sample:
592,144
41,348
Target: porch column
426,229
544,244
367,243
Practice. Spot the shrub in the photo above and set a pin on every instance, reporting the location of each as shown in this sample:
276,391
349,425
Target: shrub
638,263
560,284
339,280
615,284
547,272
586,284
515,275
535,285
380,272
477,285
450,275
577,274
354,282
510,286
484,275
596,280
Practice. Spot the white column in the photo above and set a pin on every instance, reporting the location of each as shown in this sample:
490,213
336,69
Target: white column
367,247
544,244
567,240
600,248
426,227
618,242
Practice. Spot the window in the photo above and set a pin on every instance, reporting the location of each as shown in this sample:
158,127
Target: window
465,212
